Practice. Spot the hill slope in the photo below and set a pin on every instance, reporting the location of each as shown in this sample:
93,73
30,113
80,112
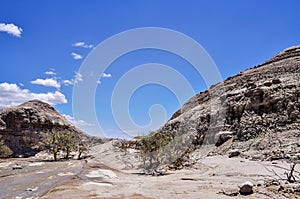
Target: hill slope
23,128
262,102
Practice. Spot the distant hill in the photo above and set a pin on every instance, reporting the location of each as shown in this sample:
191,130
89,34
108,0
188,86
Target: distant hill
24,127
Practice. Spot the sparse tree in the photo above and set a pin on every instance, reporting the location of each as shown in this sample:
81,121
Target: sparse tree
64,141
81,149
152,151
68,142
54,143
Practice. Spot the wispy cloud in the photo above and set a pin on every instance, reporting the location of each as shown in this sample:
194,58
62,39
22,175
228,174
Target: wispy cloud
50,82
11,95
76,56
11,29
106,75
82,44
76,122
50,72
67,82
78,78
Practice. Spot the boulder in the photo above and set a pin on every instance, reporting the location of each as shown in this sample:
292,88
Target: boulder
222,137
246,188
233,153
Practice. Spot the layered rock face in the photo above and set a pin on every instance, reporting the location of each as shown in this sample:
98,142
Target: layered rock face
259,101
24,127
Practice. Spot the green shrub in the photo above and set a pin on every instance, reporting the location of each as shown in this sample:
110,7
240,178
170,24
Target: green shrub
5,151
66,142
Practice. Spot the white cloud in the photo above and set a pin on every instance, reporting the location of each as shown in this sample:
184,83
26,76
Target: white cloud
11,95
50,72
76,122
106,75
51,98
82,44
76,56
67,82
78,78
11,29
51,82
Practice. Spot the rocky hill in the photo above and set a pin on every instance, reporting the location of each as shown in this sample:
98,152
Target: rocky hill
24,127
255,109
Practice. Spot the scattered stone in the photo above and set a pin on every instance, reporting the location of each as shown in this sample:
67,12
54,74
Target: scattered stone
297,156
268,84
222,137
276,81
234,153
257,157
246,188
281,188
17,166
31,189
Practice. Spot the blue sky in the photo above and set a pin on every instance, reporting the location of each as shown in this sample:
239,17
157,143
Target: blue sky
44,43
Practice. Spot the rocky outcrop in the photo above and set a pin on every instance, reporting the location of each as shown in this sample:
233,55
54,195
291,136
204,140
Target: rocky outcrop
23,128
257,102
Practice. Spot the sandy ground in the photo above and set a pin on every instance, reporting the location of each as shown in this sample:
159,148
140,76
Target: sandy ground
112,174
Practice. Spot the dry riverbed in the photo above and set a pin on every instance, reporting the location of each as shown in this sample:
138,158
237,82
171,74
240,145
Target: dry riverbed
112,174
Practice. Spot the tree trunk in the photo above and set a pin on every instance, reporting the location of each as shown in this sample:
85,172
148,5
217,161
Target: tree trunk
55,156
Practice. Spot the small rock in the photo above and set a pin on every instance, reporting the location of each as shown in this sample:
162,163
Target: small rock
222,137
31,189
281,188
234,153
246,188
297,156
286,156
257,157
17,166
268,84
276,81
